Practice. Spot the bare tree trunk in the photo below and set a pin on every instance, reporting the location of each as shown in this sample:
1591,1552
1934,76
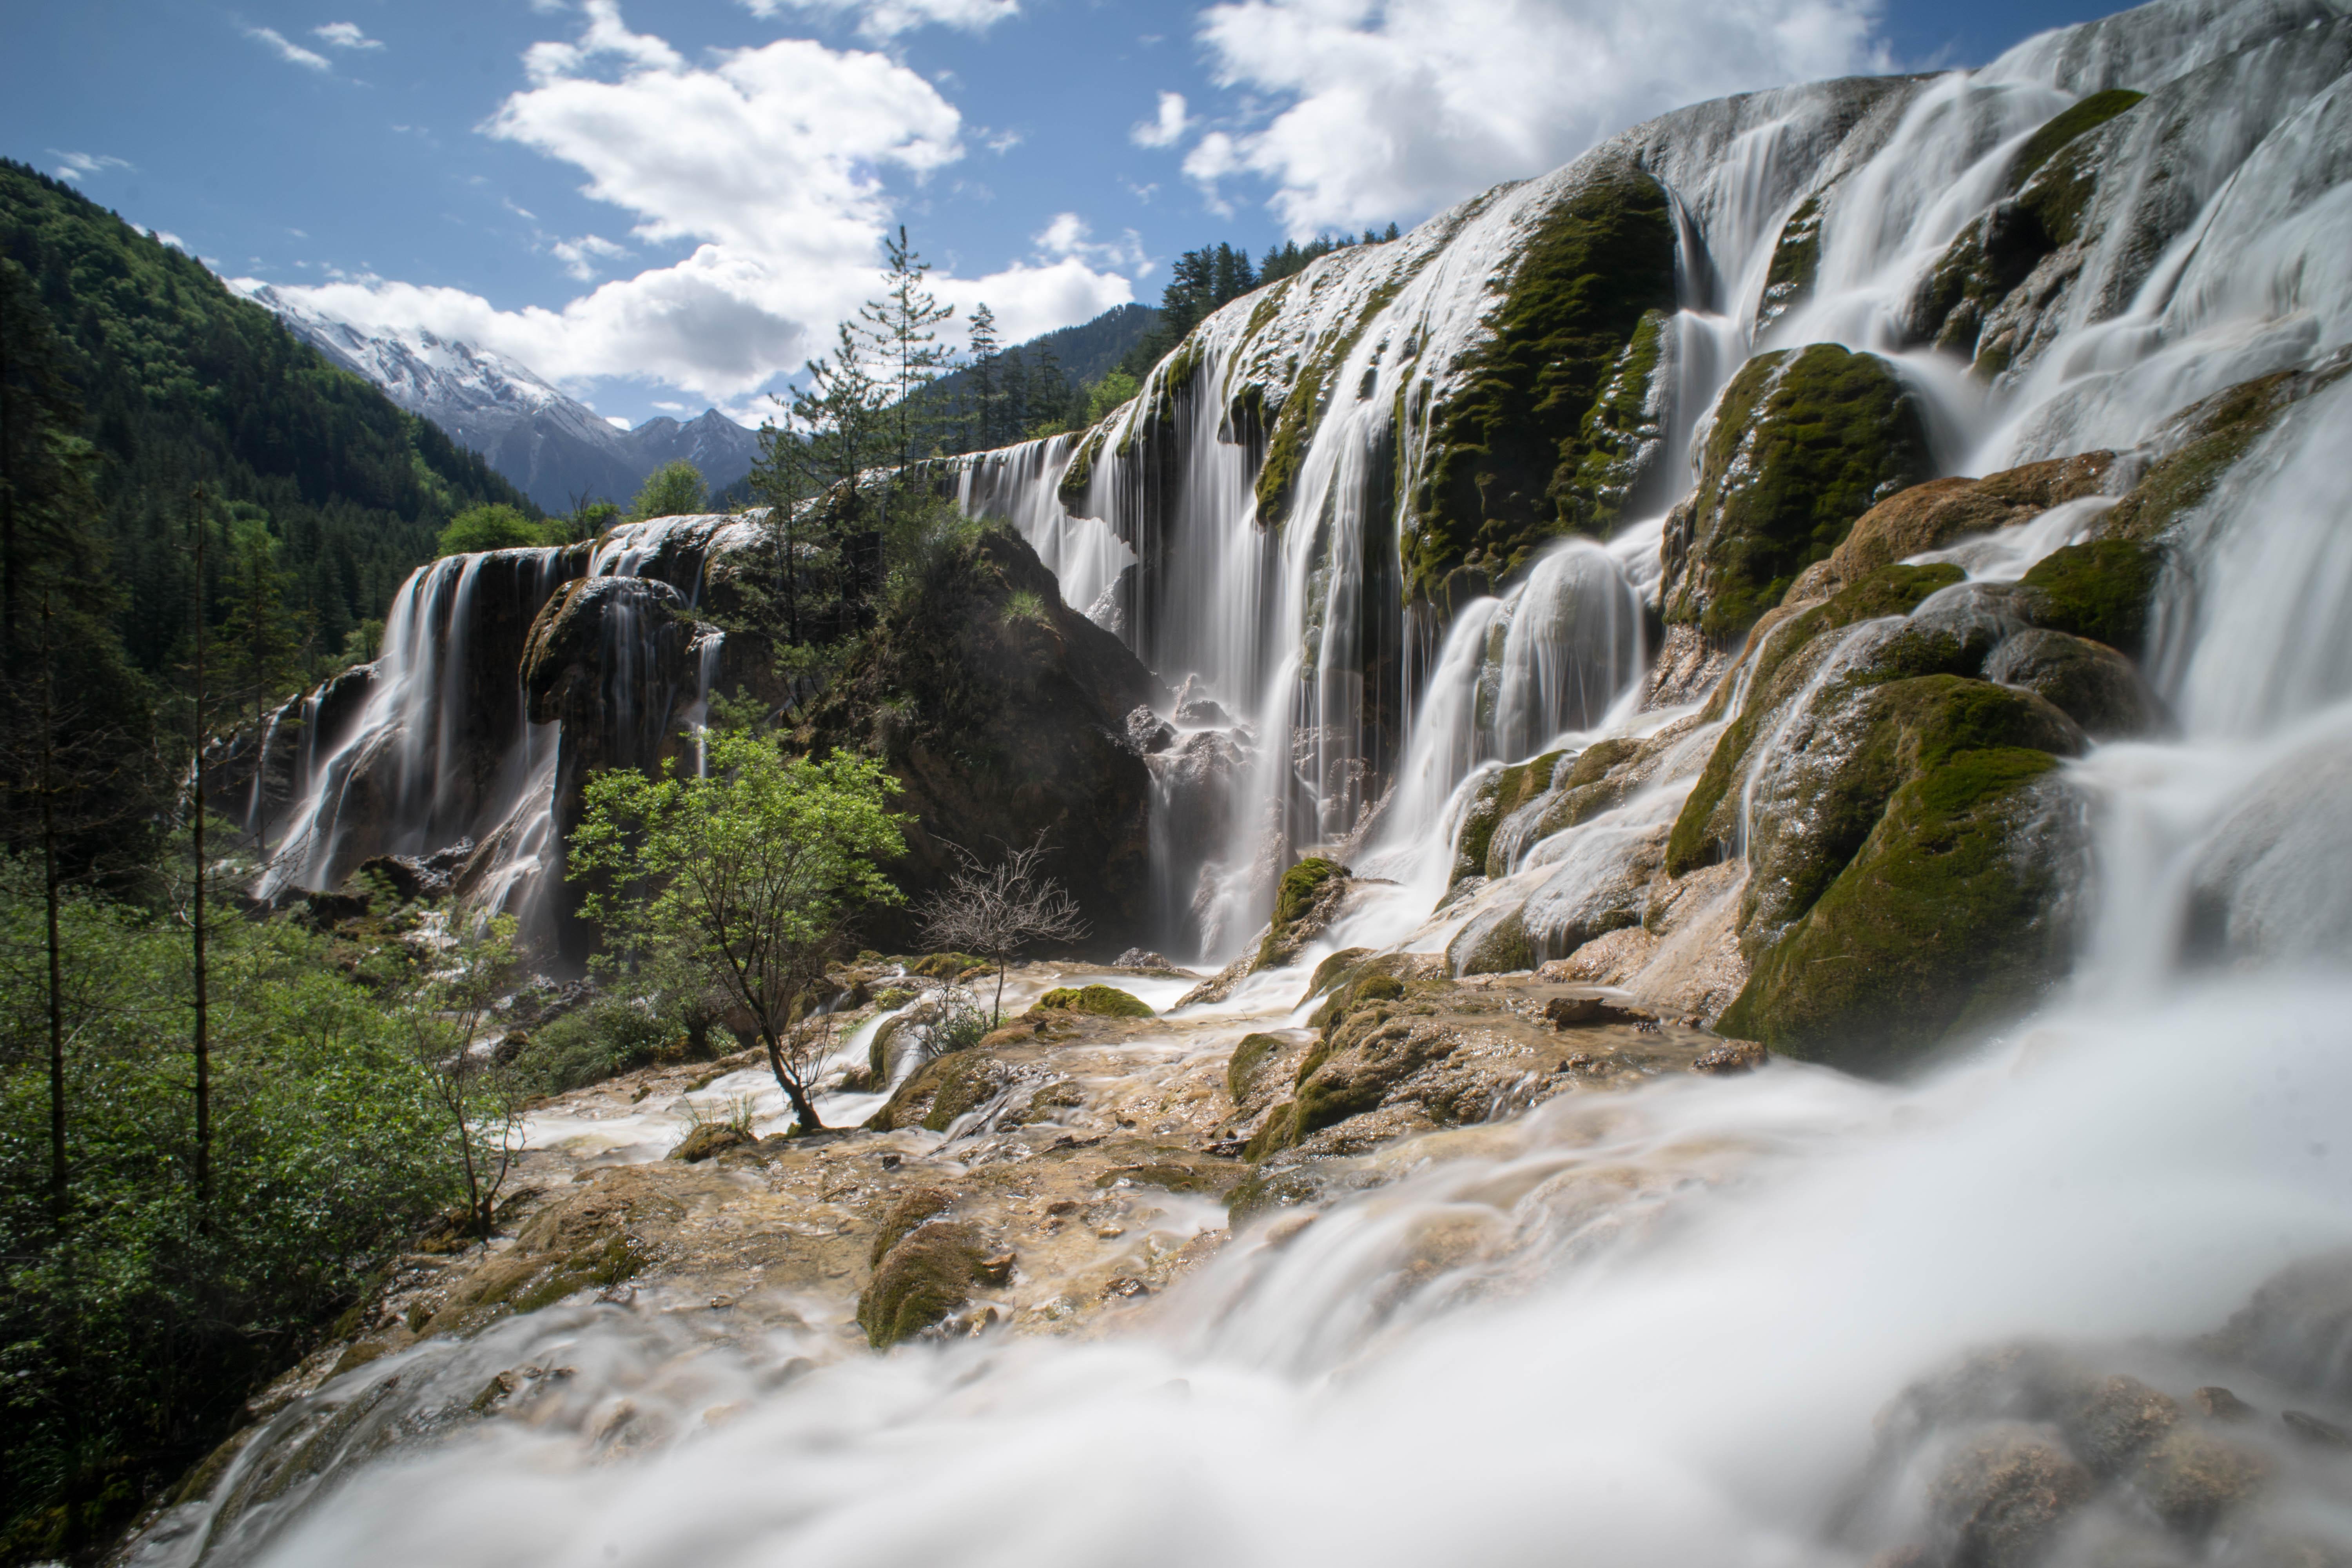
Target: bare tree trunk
804,1110
996,1015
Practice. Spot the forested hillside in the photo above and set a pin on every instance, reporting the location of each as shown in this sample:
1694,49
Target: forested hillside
181,383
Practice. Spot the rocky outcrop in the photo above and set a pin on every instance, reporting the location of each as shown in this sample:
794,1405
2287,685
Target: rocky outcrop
1002,714
1804,442
1932,515
1555,429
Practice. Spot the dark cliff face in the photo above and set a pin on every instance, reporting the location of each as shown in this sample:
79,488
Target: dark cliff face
1002,711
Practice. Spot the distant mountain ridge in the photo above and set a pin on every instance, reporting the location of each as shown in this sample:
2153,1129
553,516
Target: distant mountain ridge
553,448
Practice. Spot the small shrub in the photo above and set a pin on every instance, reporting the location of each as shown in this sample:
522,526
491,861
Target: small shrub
606,1037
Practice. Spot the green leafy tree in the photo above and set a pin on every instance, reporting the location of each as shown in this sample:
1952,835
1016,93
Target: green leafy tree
746,879
674,490
492,526
1108,393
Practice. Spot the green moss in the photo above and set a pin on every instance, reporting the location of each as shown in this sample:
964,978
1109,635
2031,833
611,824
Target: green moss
1268,307
949,1085
1804,443
1796,259
2219,432
1500,948
1277,1132
1605,470
1503,792
597,1266
1303,405
2068,124
946,965
1300,888
1249,1059
1365,1055
924,1278
2059,195
1335,970
1097,1001
1601,261
1897,590
1944,922
2099,590
909,1210
1072,493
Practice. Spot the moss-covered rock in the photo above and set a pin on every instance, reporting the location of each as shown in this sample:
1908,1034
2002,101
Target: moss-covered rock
1612,468
910,1209
1508,448
2205,440
924,1278
942,1089
1932,515
1369,1052
1503,791
1804,443
1303,904
1250,1059
1783,663
946,965
2089,682
2099,590
1949,917
1796,259
1096,1000
2064,126
709,1138
1494,944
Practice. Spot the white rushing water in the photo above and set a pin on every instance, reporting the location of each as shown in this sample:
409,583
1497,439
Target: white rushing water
1643,1328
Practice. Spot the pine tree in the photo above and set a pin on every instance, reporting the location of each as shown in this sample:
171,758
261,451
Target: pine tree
982,419
900,332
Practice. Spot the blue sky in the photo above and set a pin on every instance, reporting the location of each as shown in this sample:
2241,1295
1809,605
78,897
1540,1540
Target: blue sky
662,206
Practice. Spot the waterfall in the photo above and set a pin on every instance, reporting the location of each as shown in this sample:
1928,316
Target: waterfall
1656,1326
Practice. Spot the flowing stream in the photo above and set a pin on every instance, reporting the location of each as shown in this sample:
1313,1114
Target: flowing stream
1646,1328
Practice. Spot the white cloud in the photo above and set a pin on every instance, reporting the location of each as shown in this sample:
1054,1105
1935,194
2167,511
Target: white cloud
1068,235
1167,129
345,36
580,256
287,50
1396,110
83,166
889,18
769,162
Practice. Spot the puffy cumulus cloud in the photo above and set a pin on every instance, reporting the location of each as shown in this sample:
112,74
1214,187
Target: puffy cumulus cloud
1167,128
1397,107
769,162
286,49
889,18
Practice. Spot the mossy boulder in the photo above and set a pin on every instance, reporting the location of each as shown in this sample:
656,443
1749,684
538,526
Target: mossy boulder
946,965
1249,1062
1094,1000
709,1138
910,1209
1546,433
940,1090
1783,663
1304,903
1494,942
2099,590
2205,440
1950,914
2089,682
1804,443
924,1278
1932,515
1503,791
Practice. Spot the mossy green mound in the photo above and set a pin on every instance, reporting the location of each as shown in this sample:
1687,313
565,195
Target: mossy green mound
1098,1001
946,965
2089,682
2209,437
1921,899
1250,1059
1304,890
1782,664
1796,259
2068,124
1804,443
1504,792
2099,590
1563,383
1494,944
926,1276
1947,921
939,1092
909,1210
